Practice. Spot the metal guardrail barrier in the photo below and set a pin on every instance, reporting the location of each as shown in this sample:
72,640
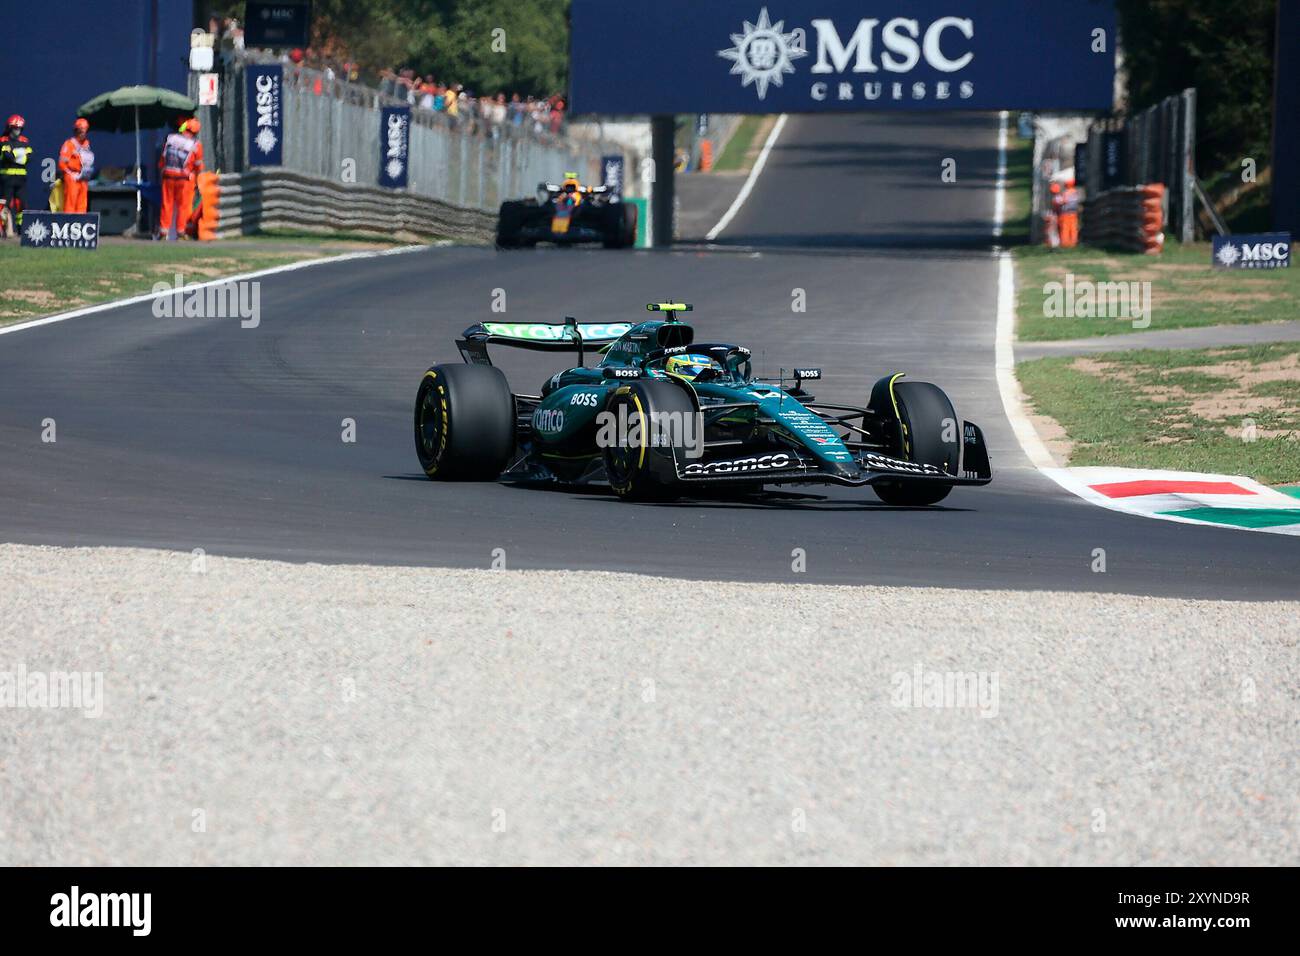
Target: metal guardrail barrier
279,199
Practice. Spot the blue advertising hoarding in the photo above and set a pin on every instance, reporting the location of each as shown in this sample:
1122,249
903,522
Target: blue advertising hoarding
45,76
1265,250
615,171
394,146
801,56
60,230
265,101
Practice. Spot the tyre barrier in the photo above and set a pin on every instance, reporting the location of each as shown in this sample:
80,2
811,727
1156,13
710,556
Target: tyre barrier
1131,218
251,202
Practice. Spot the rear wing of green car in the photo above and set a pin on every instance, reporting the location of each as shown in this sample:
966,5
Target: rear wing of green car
566,336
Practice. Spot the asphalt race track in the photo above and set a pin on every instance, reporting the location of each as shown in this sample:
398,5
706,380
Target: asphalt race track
196,433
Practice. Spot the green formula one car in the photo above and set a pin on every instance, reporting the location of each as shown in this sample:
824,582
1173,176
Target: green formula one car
660,415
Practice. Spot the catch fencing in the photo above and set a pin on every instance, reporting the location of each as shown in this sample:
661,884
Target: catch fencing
1157,145
331,134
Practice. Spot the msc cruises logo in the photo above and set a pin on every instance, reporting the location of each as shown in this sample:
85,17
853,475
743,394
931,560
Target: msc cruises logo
763,53
1271,250
868,60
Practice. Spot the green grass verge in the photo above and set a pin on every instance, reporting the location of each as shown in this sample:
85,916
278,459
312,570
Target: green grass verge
41,282
1185,290
733,158
1019,190
308,235
1185,410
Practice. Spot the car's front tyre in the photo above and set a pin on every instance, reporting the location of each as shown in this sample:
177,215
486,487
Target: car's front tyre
510,224
931,435
640,463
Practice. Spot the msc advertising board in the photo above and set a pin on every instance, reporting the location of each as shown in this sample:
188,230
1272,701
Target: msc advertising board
803,56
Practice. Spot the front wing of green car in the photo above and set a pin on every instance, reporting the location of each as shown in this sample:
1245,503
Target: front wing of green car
795,466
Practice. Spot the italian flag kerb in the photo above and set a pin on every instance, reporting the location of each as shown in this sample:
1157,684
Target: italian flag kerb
1225,500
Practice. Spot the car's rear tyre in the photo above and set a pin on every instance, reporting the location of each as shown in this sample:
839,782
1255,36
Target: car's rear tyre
464,422
510,223
640,465
623,235
931,436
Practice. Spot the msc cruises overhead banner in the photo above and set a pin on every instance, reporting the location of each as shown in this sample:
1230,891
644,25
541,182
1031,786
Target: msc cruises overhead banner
791,56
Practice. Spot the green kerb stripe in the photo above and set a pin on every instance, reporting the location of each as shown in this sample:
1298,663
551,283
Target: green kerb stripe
1242,517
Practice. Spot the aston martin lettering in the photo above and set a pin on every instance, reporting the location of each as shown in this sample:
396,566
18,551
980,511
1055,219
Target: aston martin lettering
778,462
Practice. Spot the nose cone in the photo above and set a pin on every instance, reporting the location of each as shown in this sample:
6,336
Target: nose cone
843,469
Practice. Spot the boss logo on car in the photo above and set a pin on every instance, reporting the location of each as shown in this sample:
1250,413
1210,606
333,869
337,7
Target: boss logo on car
623,372
548,420
775,462
590,399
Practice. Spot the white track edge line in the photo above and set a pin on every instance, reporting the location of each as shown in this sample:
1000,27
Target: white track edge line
759,163
1012,395
150,296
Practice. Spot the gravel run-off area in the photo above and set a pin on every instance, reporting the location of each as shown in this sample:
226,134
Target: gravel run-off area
255,712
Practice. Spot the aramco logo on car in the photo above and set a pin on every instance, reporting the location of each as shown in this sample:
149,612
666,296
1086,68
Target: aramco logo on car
764,53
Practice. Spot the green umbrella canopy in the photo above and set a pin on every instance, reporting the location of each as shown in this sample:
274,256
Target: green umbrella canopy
116,112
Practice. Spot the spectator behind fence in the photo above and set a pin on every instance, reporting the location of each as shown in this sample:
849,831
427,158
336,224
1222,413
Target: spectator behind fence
423,91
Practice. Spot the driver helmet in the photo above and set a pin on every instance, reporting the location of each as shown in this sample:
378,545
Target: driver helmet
571,184
15,122
690,367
